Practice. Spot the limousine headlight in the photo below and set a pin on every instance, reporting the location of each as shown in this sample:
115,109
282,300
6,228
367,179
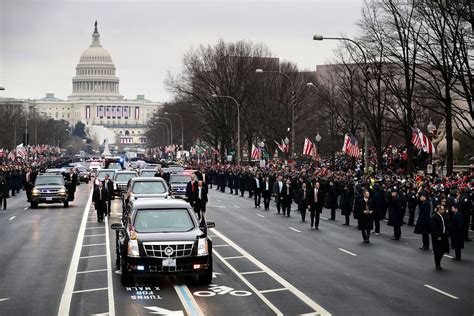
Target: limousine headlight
203,247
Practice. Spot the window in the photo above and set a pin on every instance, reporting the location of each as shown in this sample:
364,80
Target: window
164,220
148,187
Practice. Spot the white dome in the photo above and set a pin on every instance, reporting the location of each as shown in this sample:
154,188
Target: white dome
95,73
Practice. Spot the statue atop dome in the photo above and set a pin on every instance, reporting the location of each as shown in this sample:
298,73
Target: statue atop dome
95,25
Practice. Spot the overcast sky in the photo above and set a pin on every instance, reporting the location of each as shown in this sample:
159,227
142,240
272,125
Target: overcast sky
41,41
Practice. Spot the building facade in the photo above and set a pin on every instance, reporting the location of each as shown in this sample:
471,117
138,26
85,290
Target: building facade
96,101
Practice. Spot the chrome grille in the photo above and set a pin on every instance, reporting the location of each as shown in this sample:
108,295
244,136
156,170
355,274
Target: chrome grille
159,250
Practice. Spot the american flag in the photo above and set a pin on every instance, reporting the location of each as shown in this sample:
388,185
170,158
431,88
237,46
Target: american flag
351,146
415,137
255,152
11,155
308,147
282,146
421,141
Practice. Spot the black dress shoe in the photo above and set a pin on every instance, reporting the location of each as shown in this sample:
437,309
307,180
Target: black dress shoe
456,259
439,268
424,248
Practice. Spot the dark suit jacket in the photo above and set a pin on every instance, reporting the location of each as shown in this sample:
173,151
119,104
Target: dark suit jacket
436,227
304,201
109,188
189,191
99,199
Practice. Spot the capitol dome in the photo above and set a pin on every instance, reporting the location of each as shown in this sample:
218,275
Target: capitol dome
95,73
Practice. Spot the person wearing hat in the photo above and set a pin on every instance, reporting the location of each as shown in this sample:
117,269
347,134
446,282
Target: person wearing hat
395,215
439,235
422,226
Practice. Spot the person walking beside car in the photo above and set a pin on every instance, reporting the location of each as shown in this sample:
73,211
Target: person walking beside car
99,197
191,189
109,191
200,200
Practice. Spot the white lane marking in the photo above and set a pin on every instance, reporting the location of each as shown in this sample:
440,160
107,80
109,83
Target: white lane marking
4,299
109,272
91,271
274,290
218,200
294,229
348,252
162,311
325,218
260,215
252,272
96,235
88,257
442,292
11,218
26,208
303,297
218,246
93,245
253,288
234,257
95,227
448,256
410,237
91,290
187,299
66,297
236,206
220,206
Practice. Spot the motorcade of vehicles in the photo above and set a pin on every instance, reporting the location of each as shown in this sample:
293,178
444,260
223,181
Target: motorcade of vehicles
178,183
121,179
49,188
163,237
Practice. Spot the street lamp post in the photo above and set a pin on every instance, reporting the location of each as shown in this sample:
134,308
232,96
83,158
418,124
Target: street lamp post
287,142
318,139
167,130
431,131
238,121
319,37
293,103
182,129
171,128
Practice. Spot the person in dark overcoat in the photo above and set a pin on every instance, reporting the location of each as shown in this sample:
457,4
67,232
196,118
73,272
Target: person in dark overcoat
380,206
303,200
3,191
412,202
278,187
267,193
200,200
257,189
316,204
456,232
99,197
287,198
422,226
365,209
395,214
109,190
191,189
347,199
439,235
331,201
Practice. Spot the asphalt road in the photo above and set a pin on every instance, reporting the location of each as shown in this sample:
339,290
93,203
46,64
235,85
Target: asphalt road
58,261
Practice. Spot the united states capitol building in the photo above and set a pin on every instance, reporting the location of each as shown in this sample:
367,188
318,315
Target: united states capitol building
96,101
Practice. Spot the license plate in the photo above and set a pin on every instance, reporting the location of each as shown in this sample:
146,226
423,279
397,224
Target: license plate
181,190
169,262
49,199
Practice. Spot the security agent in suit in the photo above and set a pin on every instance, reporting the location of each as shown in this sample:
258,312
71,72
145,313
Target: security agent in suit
109,190
439,235
278,187
287,196
200,200
304,200
99,197
257,190
266,193
364,208
191,189
316,205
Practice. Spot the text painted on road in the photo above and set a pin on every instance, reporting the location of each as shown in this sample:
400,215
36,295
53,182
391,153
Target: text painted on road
215,289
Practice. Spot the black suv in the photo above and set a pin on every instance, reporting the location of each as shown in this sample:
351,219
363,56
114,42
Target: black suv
163,237
49,188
